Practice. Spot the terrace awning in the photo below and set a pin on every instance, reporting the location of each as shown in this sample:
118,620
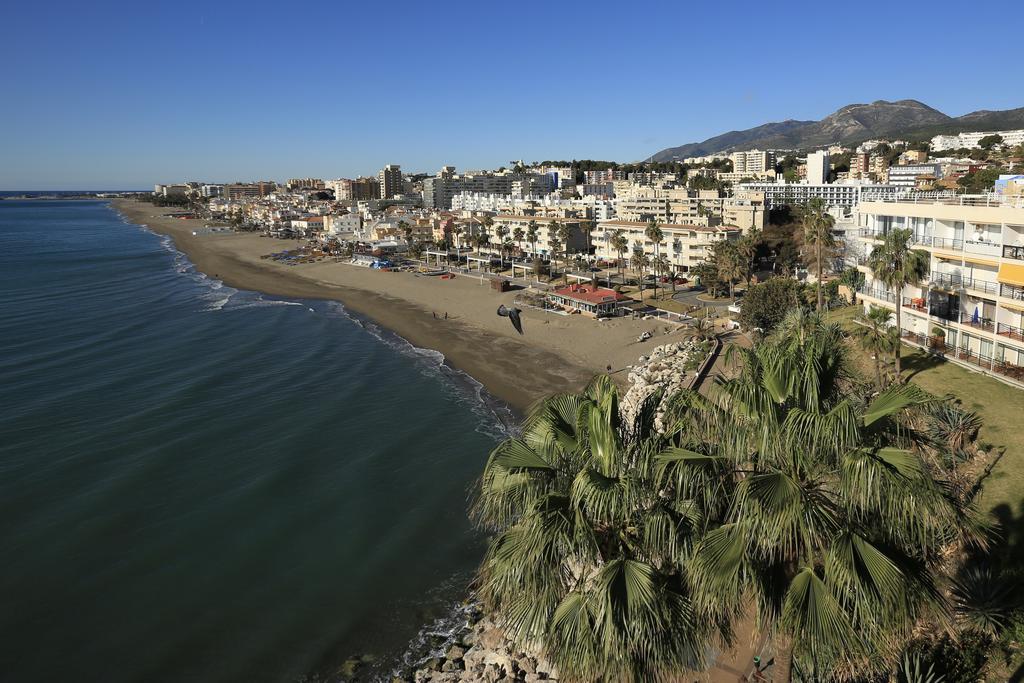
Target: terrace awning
1011,274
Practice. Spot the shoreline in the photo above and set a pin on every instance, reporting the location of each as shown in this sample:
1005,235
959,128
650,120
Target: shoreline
556,354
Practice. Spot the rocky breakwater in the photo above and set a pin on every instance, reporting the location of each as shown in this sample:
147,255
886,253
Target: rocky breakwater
483,653
668,369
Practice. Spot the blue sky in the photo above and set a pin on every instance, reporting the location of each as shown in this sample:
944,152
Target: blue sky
122,95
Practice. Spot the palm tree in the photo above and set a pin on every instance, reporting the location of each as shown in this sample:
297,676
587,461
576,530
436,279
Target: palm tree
835,523
817,224
565,232
747,248
518,234
555,245
896,265
729,264
620,244
502,232
457,231
640,262
486,224
531,237
854,280
661,266
876,338
656,235
588,557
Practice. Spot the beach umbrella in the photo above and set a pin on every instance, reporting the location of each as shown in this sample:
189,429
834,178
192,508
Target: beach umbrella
975,318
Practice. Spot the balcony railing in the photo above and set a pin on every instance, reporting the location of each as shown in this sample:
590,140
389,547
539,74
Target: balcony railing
981,286
950,198
948,243
957,281
1013,252
1004,330
986,324
878,294
1014,372
1012,292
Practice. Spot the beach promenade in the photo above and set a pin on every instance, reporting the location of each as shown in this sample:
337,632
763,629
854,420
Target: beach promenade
556,353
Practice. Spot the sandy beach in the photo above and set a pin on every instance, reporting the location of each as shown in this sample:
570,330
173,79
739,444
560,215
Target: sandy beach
556,353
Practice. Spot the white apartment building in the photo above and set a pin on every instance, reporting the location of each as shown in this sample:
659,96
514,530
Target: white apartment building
752,163
971,306
906,177
579,239
818,166
845,195
685,246
940,143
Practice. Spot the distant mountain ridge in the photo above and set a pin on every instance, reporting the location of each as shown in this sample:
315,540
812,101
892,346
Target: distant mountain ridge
849,125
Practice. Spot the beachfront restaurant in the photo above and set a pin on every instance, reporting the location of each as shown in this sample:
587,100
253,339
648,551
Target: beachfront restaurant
587,299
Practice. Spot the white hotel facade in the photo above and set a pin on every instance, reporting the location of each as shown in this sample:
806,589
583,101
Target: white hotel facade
970,308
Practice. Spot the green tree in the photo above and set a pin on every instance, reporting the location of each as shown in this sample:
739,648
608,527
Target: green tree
836,521
990,141
655,234
640,262
620,244
588,557
502,231
518,234
554,243
854,280
877,338
565,232
818,240
457,232
531,237
896,265
728,262
767,303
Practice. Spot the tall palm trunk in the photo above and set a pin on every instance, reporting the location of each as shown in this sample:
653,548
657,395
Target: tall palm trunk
784,663
821,299
899,335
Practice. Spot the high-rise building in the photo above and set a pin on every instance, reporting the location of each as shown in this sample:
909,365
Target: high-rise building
860,165
817,167
752,162
390,179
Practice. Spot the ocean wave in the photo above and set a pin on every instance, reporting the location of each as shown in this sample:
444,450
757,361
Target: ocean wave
496,419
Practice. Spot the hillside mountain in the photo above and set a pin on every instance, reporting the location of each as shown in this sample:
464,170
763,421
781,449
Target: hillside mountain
852,124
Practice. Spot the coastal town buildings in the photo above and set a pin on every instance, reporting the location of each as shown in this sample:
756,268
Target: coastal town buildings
845,195
685,246
753,163
970,308
390,181
941,143
818,167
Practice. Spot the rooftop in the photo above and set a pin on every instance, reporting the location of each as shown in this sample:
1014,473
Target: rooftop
589,294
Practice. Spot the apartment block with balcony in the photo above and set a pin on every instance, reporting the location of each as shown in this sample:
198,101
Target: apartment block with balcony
685,246
970,308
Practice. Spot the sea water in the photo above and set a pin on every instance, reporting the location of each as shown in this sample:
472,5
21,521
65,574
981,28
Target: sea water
205,484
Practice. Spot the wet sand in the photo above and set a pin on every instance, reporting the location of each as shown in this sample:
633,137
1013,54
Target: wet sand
556,353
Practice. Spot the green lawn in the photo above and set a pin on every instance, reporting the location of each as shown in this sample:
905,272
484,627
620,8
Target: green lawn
1000,406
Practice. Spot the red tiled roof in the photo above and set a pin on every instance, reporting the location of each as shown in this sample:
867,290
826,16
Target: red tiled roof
589,294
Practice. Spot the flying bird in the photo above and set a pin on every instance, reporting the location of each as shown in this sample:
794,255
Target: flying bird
513,315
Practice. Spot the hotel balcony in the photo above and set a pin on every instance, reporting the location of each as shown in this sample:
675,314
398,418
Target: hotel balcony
915,304
948,243
1014,252
978,322
877,294
1012,292
1010,331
